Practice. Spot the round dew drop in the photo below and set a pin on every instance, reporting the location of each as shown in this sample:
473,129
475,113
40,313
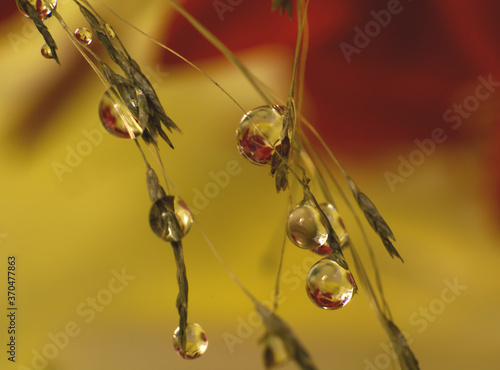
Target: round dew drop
196,342
117,118
258,132
159,222
110,31
84,35
47,52
43,10
329,285
338,227
336,221
305,228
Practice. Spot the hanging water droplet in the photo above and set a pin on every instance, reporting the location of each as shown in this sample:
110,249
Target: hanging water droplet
159,219
196,342
338,226
47,52
117,118
257,133
329,285
305,227
84,35
275,352
110,30
43,8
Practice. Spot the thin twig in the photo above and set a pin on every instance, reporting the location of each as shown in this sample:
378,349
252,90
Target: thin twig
182,297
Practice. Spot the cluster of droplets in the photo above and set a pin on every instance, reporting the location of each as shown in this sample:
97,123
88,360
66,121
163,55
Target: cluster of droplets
118,120
328,285
114,114
161,224
259,132
43,8
83,34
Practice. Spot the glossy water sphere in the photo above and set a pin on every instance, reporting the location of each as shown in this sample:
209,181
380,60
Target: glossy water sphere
338,226
305,227
43,8
159,219
117,118
110,30
196,342
257,133
329,285
47,52
84,35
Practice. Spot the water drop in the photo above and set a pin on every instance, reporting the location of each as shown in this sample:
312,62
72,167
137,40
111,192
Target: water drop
329,285
159,222
338,226
110,31
117,118
41,7
196,342
305,227
47,52
257,133
84,35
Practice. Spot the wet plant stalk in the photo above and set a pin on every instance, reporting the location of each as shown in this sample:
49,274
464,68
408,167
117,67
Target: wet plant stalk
182,297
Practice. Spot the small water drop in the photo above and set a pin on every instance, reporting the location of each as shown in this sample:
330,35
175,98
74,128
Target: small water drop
117,118
47,52
84,35
110,30
196,342
41,7
338,226
158,218
305,227
328,285
257,133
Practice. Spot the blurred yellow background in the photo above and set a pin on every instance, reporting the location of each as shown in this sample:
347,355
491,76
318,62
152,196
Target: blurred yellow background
74,231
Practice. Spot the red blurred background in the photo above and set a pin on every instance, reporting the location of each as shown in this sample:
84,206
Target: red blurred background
426,58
